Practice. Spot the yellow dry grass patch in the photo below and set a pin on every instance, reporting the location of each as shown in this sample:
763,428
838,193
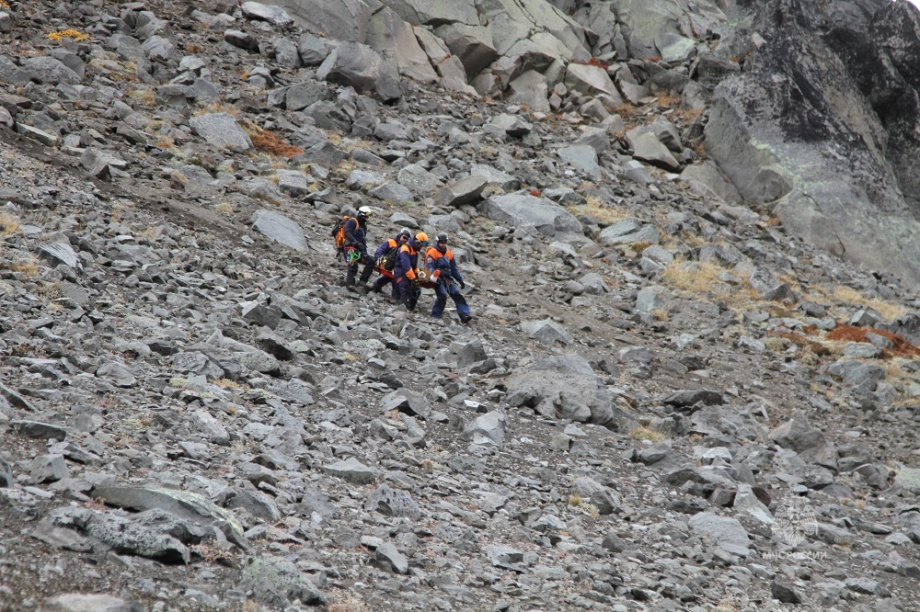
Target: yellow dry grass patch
693,276
703,278
594,207
644,433
75,35
666,101
9,224
50,290
218,107
577,501
898,373
28,267
146,97
346,602
888,310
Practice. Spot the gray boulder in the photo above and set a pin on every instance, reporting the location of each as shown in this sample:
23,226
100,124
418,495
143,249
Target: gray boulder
648,148
488,429
59,252
313,49
388,557
276,582
275,15
351,470
547,331
11,74
467,190
221,130
842,180
46,69
279,228
722,532
89,602
629,231
436,12
472,44
565,386
591,80
523,210
581,157
359,66
389,34
418,180
339,19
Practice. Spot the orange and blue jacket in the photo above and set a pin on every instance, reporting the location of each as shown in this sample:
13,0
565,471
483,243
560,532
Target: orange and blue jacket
441,265
406,262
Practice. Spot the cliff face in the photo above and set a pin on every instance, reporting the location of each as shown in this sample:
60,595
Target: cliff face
823,125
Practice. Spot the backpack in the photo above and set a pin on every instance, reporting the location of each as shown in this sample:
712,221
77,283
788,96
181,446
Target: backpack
388,261
338,232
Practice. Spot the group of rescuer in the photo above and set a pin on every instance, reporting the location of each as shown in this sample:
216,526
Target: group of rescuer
407,262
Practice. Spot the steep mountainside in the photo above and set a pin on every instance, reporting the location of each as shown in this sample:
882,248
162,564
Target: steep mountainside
664,401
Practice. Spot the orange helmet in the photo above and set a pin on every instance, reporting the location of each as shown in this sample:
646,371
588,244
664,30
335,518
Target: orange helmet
421,237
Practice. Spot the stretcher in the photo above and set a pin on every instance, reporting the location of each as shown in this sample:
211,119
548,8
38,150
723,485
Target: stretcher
420,275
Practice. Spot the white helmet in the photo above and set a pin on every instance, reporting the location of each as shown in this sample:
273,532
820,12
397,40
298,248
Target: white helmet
365,211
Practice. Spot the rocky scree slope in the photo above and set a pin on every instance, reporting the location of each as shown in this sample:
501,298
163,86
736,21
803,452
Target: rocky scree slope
664,402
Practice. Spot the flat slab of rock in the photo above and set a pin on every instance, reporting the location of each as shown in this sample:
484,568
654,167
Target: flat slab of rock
721,531
221,130
89,602
909,478
280,229
184,504
522,210
467,190
351,470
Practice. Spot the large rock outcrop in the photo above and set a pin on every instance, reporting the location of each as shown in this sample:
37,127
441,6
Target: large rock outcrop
821,124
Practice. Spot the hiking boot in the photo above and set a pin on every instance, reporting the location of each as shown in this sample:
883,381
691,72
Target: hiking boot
466,318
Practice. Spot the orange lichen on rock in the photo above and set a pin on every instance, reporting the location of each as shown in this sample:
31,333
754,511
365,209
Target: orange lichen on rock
850,333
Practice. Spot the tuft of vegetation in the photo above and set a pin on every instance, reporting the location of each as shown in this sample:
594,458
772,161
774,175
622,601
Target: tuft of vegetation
9,224
268,142
70,33
27,267
695,276
577,501
596,208
644,433
50,290
145,97
888,310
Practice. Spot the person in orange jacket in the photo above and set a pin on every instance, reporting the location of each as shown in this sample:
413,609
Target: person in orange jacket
444,273
382,251
404,272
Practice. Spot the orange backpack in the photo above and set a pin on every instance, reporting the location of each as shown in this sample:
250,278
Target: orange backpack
338,232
